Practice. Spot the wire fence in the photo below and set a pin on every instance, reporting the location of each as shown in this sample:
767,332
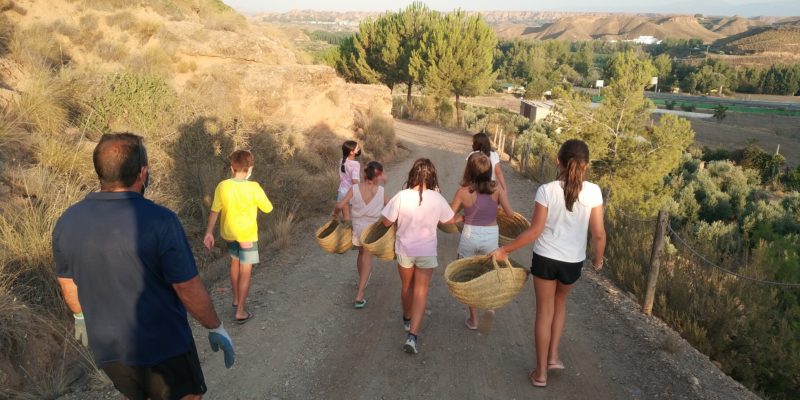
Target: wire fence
677,238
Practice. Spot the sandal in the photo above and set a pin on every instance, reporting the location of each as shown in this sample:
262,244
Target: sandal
470,327
534,381
360,303
245,319
555,365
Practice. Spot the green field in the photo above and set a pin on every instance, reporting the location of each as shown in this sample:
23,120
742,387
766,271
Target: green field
710,107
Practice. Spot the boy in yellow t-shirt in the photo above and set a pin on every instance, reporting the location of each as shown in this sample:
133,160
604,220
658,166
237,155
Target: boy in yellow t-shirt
238,201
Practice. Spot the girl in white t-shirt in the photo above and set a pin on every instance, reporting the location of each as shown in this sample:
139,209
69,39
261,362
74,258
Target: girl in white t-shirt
565,210
480,142
348,168
365,201
417,210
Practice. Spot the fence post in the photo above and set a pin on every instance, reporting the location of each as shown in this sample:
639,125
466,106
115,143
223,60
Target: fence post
655,261
513,147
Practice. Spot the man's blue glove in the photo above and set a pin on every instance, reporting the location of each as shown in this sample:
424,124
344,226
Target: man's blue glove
218,337
80,329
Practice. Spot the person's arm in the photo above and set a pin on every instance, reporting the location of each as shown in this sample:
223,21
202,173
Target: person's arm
70,292
456,204
387,223
263,201
598,231
208,239
528,236
195,298
502,198
498,174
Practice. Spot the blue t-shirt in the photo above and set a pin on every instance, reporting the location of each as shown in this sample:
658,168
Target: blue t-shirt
124,252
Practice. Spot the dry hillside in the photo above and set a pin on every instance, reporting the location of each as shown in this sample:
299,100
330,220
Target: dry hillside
735,25
779,39
196,80
615,27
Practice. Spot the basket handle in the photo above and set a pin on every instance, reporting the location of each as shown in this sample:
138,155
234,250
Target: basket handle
495,264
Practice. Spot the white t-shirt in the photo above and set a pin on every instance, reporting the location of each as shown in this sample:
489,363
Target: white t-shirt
351,172
494,158
565,232
416,223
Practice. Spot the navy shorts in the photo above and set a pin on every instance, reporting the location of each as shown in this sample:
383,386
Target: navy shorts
173,378
549,269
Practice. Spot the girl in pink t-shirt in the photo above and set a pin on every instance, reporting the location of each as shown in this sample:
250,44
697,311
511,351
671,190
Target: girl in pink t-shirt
417,210
348,168
365,201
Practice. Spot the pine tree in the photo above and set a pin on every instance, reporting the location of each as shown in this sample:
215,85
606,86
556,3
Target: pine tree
456,57
630,155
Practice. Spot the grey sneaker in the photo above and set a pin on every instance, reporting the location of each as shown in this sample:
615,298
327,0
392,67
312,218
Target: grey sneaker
410,346
407,325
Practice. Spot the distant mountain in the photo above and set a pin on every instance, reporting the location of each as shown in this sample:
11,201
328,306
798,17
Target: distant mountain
783,37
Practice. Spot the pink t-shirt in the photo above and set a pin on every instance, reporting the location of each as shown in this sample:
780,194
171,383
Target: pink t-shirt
351,171
416,223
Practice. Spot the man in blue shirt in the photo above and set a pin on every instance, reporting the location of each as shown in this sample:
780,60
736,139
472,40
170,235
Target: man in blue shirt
126,269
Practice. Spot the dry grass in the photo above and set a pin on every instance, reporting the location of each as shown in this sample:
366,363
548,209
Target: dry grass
48,102
13,137
152,61
280,226
144,30
186,67
228,21
109,51
123,20
37,46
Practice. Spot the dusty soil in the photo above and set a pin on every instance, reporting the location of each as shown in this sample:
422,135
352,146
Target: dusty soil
308,342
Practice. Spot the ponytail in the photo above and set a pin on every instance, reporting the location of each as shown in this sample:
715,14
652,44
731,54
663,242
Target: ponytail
347,148
480,142
422,174
573,156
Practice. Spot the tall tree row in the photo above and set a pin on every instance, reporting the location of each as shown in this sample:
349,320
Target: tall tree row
447,54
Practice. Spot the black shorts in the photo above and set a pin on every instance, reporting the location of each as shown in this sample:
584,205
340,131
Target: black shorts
173,378
549,269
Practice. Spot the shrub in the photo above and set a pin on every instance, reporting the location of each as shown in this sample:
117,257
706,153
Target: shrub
48,102
688,107
670,104
152,61
37,46
145,30
379,138
280,225
123,20
187,66
227,21
111,51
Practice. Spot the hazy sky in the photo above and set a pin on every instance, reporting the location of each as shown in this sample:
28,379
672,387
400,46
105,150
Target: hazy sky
713,7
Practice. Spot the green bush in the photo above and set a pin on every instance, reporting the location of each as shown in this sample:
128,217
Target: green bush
688,107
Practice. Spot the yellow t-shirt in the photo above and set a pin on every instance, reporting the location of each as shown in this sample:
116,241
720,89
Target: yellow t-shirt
238,202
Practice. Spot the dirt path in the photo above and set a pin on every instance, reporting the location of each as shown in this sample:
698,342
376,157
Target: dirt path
307,342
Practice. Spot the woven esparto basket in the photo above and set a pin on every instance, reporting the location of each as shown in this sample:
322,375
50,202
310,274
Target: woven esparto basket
335,237
510,226
481,282
379,240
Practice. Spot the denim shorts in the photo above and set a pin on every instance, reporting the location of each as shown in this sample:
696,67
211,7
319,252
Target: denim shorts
424,262
478,240
245,256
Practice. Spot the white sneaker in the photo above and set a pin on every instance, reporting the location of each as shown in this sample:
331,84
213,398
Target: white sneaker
410,346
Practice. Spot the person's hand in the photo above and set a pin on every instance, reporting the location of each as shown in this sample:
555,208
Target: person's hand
208,240
499,254
348,223
80,329
597,265
219,338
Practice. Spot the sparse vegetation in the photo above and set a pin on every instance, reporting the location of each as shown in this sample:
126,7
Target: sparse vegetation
37,46
108,51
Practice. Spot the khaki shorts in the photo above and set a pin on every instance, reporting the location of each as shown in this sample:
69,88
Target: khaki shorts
424,262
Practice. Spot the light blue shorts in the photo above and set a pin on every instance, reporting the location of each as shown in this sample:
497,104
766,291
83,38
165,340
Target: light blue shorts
478,240
417,261
245,256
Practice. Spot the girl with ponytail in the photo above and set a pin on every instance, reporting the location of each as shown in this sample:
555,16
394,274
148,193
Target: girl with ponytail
362,204
565,211
481,144
416,210
348,167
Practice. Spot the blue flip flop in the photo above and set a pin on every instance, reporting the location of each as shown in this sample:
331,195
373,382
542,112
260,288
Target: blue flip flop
360,303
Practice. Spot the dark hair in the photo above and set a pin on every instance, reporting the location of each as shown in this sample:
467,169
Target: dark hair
422,173
241,160
478,174
373,170
480,142
347,148
573,156
118,159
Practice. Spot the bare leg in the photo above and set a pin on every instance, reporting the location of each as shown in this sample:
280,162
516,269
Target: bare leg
473,317
235,281
422,281
245,271
406,289
559,317
364,269
545,294
192,397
